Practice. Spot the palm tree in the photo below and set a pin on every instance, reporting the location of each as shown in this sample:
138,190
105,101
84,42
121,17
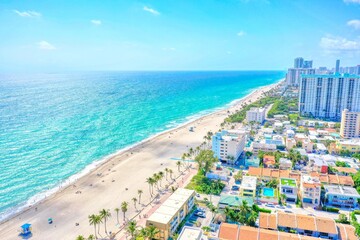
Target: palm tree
156,180
91,237
80,238
93,221
117,210
178,164
134,200
98,221
143,232
166,173
152,232
105,214
149,180
131,229
139,193
161,176
213,210
124,208
171,172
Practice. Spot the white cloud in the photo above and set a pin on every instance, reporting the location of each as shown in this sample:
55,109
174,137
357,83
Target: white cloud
331,43
32,14
352,1
96,22
241,33
44,45
151,10
354,23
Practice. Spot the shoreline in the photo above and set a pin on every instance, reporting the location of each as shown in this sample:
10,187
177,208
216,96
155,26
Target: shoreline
65,185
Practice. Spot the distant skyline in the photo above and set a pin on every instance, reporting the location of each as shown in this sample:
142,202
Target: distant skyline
45,36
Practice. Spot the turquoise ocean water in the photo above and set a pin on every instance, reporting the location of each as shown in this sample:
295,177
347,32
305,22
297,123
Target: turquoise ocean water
53,126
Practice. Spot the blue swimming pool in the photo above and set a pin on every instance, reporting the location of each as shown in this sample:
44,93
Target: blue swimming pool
268,192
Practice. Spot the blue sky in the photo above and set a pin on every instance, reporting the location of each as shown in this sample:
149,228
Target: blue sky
37,35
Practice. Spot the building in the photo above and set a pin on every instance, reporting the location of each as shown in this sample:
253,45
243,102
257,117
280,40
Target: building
228,145
308,145
326,96
298,62
269,161
190,233
172,212
252,162
293,75
350,124
285,164
266,147
233,201
308,64
351,145
341,196
288,186
337,66
310,190
248,186
318,163
255,115
290,143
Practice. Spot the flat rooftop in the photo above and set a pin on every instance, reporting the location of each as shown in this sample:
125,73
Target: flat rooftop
343,190
249,182
288,182
190,233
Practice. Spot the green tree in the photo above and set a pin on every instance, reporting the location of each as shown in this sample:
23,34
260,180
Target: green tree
91,237
131,229
134,199
105,214
93,221
150,181
117,210
205,160
152,232
124,208
80,238
178,164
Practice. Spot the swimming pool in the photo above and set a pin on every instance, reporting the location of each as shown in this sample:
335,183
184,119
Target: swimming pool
268,192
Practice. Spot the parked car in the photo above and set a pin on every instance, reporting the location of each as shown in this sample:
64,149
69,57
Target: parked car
200,214
270,205
235,188
288,211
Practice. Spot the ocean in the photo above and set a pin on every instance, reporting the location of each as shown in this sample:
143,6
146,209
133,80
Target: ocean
54,126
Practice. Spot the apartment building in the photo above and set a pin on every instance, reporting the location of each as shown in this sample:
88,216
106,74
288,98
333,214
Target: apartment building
248,186
326,96
172,212
351,145
255,115
310,190
341,196
288,186
228,145
350,124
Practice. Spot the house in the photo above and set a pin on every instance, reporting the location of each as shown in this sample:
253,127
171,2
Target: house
290,133
345,171
252,162
308,145
341,196
288,186
172,212
321,149
233,201
269,161
257,146
319,164
290,143
285,163
351,145
248,186
310,190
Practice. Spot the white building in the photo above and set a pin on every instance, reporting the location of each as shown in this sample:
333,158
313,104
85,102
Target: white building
228,145
310,190
190,233
350,124
248,186
255,115
288,186
293,75
326,96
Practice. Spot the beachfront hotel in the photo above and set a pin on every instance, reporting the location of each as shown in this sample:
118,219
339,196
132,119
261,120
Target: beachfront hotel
326,96
172,212
350,124
228,145
255,115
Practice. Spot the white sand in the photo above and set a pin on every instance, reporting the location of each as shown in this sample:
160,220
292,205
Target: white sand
129,170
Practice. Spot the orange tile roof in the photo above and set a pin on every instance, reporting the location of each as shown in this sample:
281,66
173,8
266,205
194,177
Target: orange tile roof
248,233
311,185
295,175
284,173
306,222
228,231
268,234
254,171
333,179
346,232
288,236
269,160
275,173
326,225
314,174
266,172
324,178
267,221
286,220
346,180
346,169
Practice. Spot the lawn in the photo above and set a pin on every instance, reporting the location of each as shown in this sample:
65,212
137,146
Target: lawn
202,184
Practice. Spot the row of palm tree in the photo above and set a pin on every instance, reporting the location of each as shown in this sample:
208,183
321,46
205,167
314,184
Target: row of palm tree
155,181
134,231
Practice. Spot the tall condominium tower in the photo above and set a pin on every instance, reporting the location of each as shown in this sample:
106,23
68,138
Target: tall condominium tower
307,64
337,66
326,96
298,62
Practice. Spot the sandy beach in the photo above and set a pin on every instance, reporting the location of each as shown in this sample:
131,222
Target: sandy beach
116,180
